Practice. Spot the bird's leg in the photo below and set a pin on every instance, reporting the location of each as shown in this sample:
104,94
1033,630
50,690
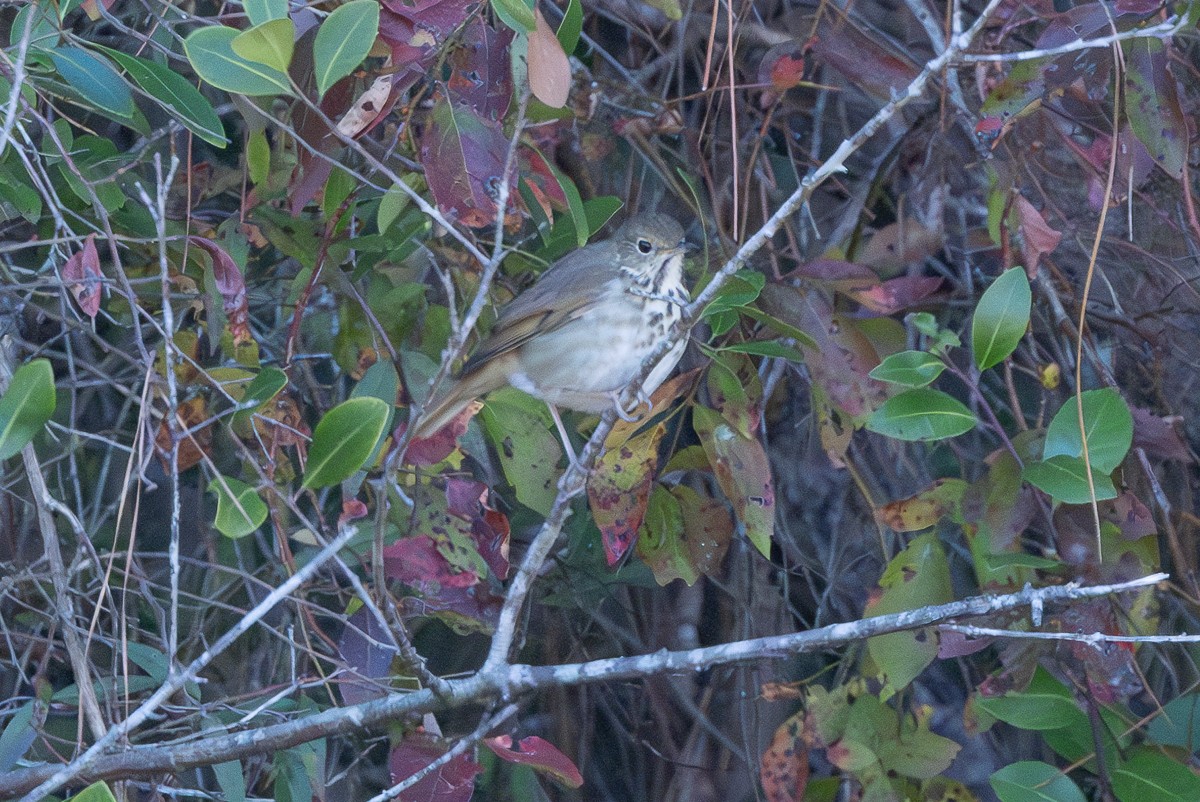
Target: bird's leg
572,457
622,413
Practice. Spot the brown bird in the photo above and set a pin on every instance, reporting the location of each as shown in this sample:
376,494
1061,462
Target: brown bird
579,335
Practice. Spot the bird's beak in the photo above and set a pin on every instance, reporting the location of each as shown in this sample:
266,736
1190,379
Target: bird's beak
685,247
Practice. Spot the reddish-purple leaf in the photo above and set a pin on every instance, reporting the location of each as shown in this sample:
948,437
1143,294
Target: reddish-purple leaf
1037,237
416,562
540,755
480,70
867,65
1153,105
365,649
415,31
464,156
952,643
81,272
436,447
897,294
451,782
549,70
842,358
232,287
1159,436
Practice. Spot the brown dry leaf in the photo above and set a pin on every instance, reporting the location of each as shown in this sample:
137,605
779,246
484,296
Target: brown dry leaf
83,276
549,70
367,107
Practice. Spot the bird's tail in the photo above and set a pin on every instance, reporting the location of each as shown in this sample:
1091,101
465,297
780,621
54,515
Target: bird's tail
446,405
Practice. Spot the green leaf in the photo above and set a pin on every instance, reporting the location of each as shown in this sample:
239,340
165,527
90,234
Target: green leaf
1001,318
393,202
258,157
1108,424
270,43
571,26
240,511
1044,705
261,389
574,204
922,414
1033,781
526,446
96,792
343,41
742,288
1065,479
1149,774
909,369
1177,725
176,95
516,14
210,50
999,562
260,11
916,577
344,439
26,406
44,30
17,737
95,80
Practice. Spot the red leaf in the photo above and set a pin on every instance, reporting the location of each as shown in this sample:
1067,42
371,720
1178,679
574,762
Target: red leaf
619,489
82,274
540,755
452,782
416,562
415,32
549,70
431,450
232,287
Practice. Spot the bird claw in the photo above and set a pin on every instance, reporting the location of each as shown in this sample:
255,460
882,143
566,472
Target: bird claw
640,400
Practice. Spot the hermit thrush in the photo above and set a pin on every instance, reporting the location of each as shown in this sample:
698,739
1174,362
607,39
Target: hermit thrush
579,335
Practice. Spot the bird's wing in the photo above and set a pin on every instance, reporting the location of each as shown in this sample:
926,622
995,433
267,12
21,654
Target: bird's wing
550,303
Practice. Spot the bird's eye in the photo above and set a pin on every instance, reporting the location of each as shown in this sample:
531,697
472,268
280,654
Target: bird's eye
644,246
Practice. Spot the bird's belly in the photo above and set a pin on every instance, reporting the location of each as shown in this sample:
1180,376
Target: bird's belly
584,363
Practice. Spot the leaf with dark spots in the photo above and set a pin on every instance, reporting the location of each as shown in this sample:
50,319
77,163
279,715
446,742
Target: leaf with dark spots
924,509
684,535
1155,115
840,358
227,278
418,563
743,472
480,70
619,489
735,390
81,273
464,156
